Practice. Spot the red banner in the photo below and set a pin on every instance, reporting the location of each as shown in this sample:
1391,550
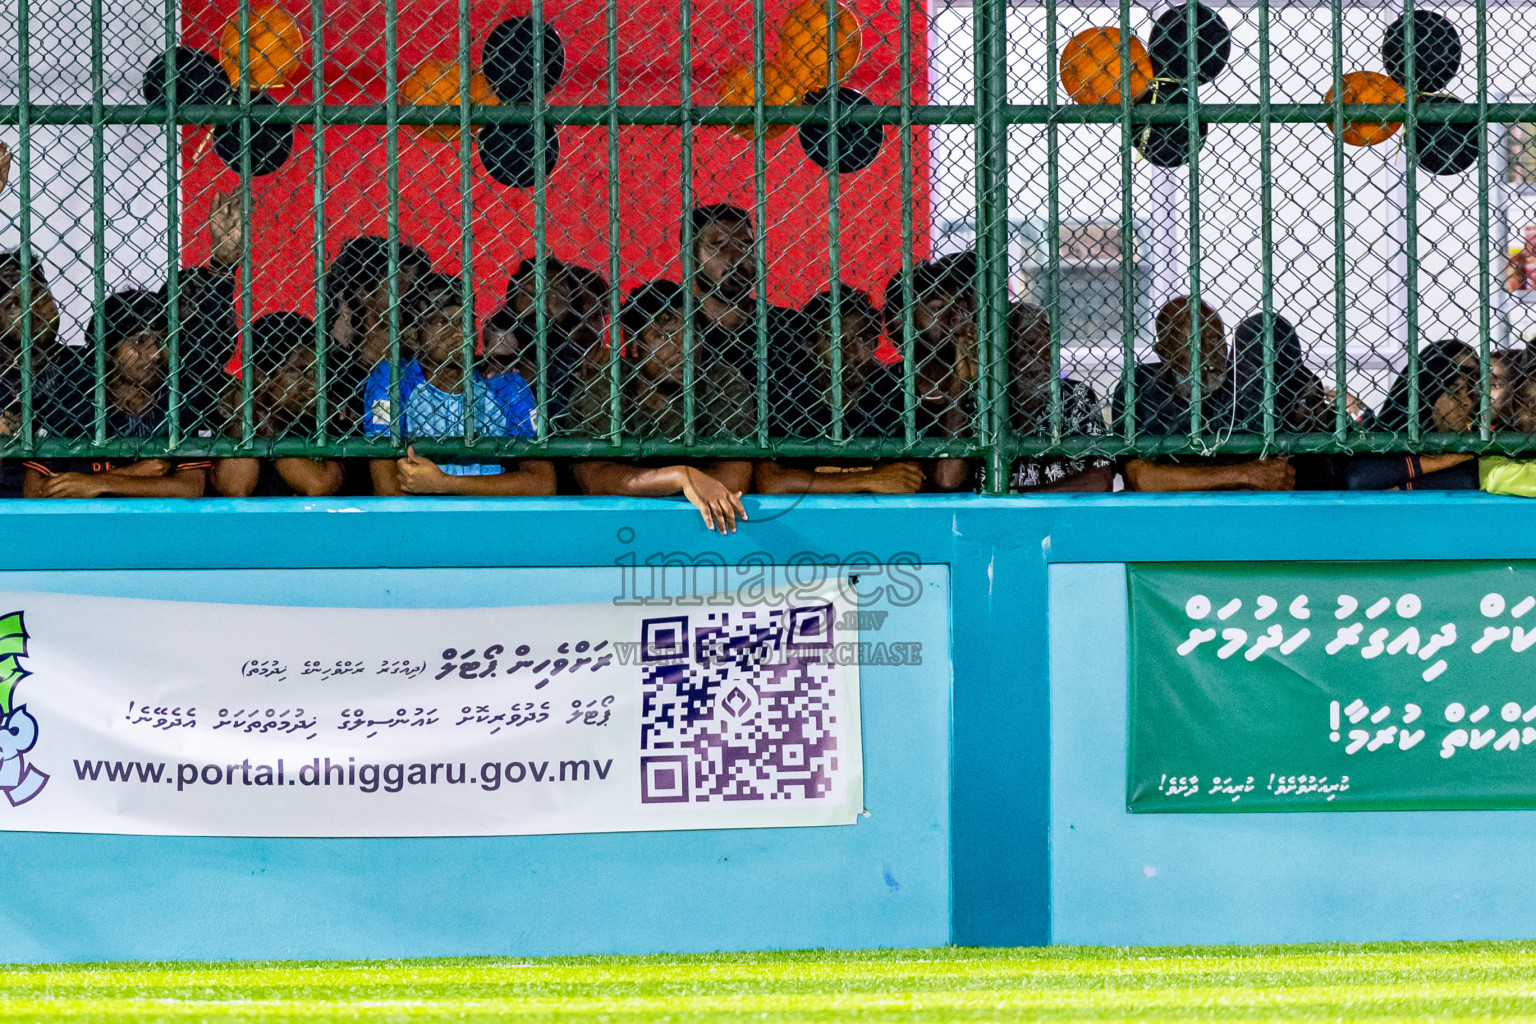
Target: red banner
649,163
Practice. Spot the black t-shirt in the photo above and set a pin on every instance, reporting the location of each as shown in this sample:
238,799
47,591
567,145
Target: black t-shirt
800,400
738,347
146,425
1163,411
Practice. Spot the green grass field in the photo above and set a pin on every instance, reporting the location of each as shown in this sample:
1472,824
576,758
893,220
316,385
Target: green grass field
1385,982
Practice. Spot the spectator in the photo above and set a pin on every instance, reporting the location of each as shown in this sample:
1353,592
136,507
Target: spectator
1447,387
1498,474
1164,406
651,406
133,327
577,314
800,403
945,365
282,405
433,394
208,320
563,317
1029,346
59,402
357,308
1501,386
725,286
1302,404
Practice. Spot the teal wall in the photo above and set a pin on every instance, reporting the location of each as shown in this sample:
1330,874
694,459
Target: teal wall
958,752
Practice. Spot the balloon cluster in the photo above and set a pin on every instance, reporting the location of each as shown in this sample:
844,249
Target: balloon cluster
814,52
435,83
272,61
508,151
1091,72
1443,148
275,42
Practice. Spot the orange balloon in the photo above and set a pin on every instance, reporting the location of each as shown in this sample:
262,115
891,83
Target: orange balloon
435,83
1090,66
1368,87
735,89
276,41
803,45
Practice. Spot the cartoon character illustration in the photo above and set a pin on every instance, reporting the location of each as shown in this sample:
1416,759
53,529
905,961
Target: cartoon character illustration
19,781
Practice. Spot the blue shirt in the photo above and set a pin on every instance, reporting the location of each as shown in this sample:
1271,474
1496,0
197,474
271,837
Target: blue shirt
503,406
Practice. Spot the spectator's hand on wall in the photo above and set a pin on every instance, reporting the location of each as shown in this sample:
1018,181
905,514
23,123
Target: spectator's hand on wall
719,505
1269,475
225,227
896,478
72,485
418,474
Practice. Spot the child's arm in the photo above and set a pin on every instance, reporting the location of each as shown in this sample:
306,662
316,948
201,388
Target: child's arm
184,482
717,502
420,475
235,478
311,478
386,482
891,478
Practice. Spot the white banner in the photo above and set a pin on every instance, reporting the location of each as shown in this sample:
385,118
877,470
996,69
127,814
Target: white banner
181,718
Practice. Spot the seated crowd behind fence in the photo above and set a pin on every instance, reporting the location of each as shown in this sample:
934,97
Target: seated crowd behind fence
427,389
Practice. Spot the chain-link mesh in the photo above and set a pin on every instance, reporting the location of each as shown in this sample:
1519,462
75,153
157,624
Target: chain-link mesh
837,228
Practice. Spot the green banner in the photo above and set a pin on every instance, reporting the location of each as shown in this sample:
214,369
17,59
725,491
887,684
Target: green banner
1327,686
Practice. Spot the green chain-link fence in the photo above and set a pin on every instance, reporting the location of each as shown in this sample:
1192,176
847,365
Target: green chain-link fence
1052,142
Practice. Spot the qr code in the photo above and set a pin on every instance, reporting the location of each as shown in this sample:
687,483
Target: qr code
742,706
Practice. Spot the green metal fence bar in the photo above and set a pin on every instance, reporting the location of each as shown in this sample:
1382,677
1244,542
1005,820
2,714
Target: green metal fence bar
760,217
904,127
1411,219
615,340
1053,225
468,388
1266,226
362,114
1340,297
1127,231
853,448
1196,320
172,258
993,348
834,225
317,147
689,269
392,210
540,225
98,222
247,264
24,156
1484,284
981,58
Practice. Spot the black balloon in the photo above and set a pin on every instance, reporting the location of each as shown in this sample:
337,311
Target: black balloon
1167,48
271,145
507,152
199,78
1444,147
857,144
1436,51
1167,145
508,60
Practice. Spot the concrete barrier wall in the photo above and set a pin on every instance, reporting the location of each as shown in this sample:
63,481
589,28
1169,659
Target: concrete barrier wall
1019,606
